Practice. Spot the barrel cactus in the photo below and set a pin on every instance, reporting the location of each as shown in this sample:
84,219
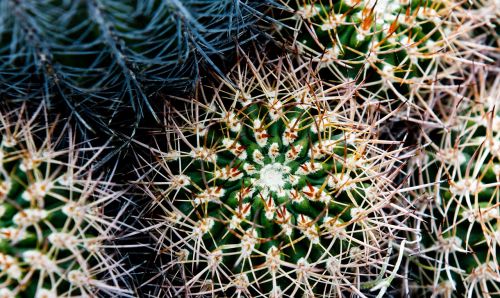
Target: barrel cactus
460,242
277,187
52,227
104,61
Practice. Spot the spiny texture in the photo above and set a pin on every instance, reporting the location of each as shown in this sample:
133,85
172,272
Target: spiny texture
277,188
399,40
409,55
485,38
462,200
52,227
403,50
95,58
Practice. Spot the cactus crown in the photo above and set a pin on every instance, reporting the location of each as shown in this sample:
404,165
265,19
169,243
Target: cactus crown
277,187
52,228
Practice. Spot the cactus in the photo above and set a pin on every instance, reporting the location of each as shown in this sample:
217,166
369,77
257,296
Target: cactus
52,227
463,171
395,47
276,187
104,61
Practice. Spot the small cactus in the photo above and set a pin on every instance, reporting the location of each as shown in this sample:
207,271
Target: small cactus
52,226
464,201
278,188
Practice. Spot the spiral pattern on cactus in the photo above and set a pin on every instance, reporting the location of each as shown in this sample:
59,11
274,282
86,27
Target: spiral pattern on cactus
278,188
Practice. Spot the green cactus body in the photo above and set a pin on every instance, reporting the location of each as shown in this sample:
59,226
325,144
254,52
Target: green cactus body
466,236
278,194
378,41
50,225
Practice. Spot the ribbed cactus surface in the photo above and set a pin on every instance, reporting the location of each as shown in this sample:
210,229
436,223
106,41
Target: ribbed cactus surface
104,61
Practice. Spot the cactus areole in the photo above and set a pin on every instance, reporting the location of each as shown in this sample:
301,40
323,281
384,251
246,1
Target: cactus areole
469,203
51,215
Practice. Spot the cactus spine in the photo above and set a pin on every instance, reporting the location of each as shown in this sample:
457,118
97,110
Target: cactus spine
399,40
97,59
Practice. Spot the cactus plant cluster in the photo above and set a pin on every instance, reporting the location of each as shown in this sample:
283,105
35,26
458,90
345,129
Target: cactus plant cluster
52,227
247,148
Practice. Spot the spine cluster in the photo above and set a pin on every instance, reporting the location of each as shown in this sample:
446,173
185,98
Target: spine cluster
464,171
392,40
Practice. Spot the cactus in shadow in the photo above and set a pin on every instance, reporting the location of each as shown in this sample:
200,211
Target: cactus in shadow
53,230
278,187
105,61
